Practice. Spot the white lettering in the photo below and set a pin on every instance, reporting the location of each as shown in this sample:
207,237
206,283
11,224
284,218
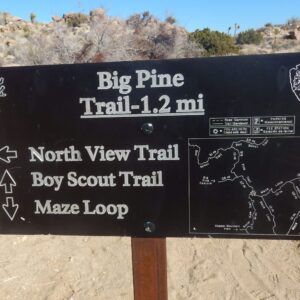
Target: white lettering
113,81
131,179
107,155
91,181
119,210
87,102
155,80
56,208
67,154
145,153
38,180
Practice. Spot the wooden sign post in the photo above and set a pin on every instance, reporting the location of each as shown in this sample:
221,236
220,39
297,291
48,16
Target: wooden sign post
149,263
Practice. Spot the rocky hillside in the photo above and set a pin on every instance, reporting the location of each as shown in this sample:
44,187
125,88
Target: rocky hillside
76,38
276,39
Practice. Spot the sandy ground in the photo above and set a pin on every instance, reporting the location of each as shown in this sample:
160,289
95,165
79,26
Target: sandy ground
55,267
233,269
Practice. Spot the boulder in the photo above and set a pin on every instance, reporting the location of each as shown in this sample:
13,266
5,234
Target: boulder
294,35
97,14
57,19
15,19
75,19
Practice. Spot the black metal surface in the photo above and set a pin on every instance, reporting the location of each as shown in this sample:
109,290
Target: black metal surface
224,177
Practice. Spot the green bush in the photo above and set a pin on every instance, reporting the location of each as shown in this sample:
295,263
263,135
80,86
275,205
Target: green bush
214,42
75,20
249,37
26,31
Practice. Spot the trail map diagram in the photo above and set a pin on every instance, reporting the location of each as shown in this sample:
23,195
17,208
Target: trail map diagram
248,186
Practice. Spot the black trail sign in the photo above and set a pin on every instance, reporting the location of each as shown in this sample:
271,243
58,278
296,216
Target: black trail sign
191,147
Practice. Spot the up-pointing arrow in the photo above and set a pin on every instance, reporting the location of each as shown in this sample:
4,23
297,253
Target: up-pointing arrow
10,208
6,155
8,182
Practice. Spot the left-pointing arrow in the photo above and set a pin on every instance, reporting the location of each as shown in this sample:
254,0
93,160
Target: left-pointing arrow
10,208
7,155
8,182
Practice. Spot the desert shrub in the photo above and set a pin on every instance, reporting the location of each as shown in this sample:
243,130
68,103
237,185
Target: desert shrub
75,20
276,31
249,37
184,47
268,24
39,49
171,20
134,21
105,41
26,31
214,42
137,21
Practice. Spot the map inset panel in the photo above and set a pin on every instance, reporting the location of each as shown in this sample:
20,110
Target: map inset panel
244,185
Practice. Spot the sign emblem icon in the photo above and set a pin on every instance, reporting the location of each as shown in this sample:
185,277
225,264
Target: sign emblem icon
295,80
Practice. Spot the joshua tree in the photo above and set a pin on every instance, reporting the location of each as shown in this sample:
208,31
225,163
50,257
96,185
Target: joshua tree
236,28
276,32
32,17
5,18
146,14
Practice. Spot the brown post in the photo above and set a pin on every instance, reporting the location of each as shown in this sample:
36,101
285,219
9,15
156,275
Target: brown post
149,263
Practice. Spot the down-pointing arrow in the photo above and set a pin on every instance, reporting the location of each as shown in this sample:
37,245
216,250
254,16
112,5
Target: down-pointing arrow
8,182
6,155
10,208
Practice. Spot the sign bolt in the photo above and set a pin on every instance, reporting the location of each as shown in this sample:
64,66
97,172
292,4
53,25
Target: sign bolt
147,128
149,227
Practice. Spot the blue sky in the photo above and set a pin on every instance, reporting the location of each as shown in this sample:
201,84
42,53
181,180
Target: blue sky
193,14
